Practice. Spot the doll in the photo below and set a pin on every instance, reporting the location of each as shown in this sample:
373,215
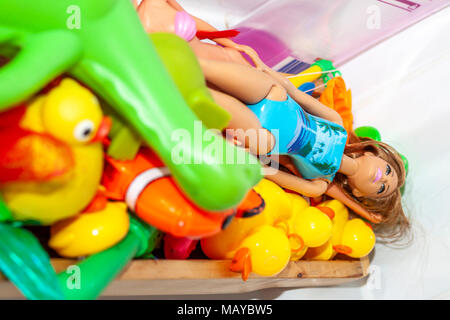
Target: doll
365,175
245,91
169,16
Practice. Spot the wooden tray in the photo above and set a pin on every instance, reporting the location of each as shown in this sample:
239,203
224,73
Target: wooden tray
174,277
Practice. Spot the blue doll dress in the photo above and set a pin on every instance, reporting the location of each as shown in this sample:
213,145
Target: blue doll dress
315,145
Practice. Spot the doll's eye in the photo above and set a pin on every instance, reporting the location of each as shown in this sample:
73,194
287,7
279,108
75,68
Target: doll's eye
381,189
388,170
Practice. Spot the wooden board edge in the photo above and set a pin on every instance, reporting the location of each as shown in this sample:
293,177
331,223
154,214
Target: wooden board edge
197,277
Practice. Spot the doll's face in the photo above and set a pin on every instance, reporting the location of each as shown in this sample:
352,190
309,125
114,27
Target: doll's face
375,178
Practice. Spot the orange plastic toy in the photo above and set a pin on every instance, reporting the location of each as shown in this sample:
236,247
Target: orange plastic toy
146,186
337,97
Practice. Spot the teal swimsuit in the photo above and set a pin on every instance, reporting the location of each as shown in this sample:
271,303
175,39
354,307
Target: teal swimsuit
315,145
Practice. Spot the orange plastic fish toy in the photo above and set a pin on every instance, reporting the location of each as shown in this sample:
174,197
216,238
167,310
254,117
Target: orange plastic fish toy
146,186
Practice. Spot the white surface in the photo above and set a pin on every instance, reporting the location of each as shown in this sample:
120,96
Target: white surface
222,14
401,87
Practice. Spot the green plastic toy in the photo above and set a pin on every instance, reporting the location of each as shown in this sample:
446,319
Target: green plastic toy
5,214
93,274
368,132
327,65
103,44
185,70
373,133
27,265
125,143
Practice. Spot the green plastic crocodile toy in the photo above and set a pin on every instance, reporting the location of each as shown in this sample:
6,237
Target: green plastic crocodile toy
102,44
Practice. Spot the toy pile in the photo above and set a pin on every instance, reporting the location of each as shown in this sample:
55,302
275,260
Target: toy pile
100,128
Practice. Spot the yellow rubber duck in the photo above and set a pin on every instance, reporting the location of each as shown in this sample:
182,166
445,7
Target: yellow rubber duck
298,247
225,244
307,227
354,238
288,229
358,239
253,243
313,226
90,232
326,251
72,114
266,252
265,243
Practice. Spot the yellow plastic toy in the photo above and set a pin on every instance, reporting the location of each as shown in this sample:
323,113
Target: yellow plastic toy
317,70
90,232
225,244
307,227
288,229
298,247
354,238
72,114
357,239
254,243
326,251
312,225
266,251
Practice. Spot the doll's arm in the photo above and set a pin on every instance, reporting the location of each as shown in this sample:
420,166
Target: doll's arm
175,5
309,188
314,107
336,193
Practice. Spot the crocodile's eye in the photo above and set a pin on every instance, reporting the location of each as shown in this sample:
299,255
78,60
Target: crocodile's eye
84,130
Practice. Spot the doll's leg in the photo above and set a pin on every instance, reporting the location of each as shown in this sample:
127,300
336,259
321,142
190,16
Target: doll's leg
245,126
241,116
242,82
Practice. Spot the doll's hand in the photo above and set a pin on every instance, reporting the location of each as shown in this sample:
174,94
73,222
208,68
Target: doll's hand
259,64
321,186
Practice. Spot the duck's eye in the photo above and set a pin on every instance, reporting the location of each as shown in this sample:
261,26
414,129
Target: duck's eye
381,189
84,130
388,170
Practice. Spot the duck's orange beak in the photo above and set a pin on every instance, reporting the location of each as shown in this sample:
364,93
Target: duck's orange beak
328,211
103,130
252,205
242,263
340,248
